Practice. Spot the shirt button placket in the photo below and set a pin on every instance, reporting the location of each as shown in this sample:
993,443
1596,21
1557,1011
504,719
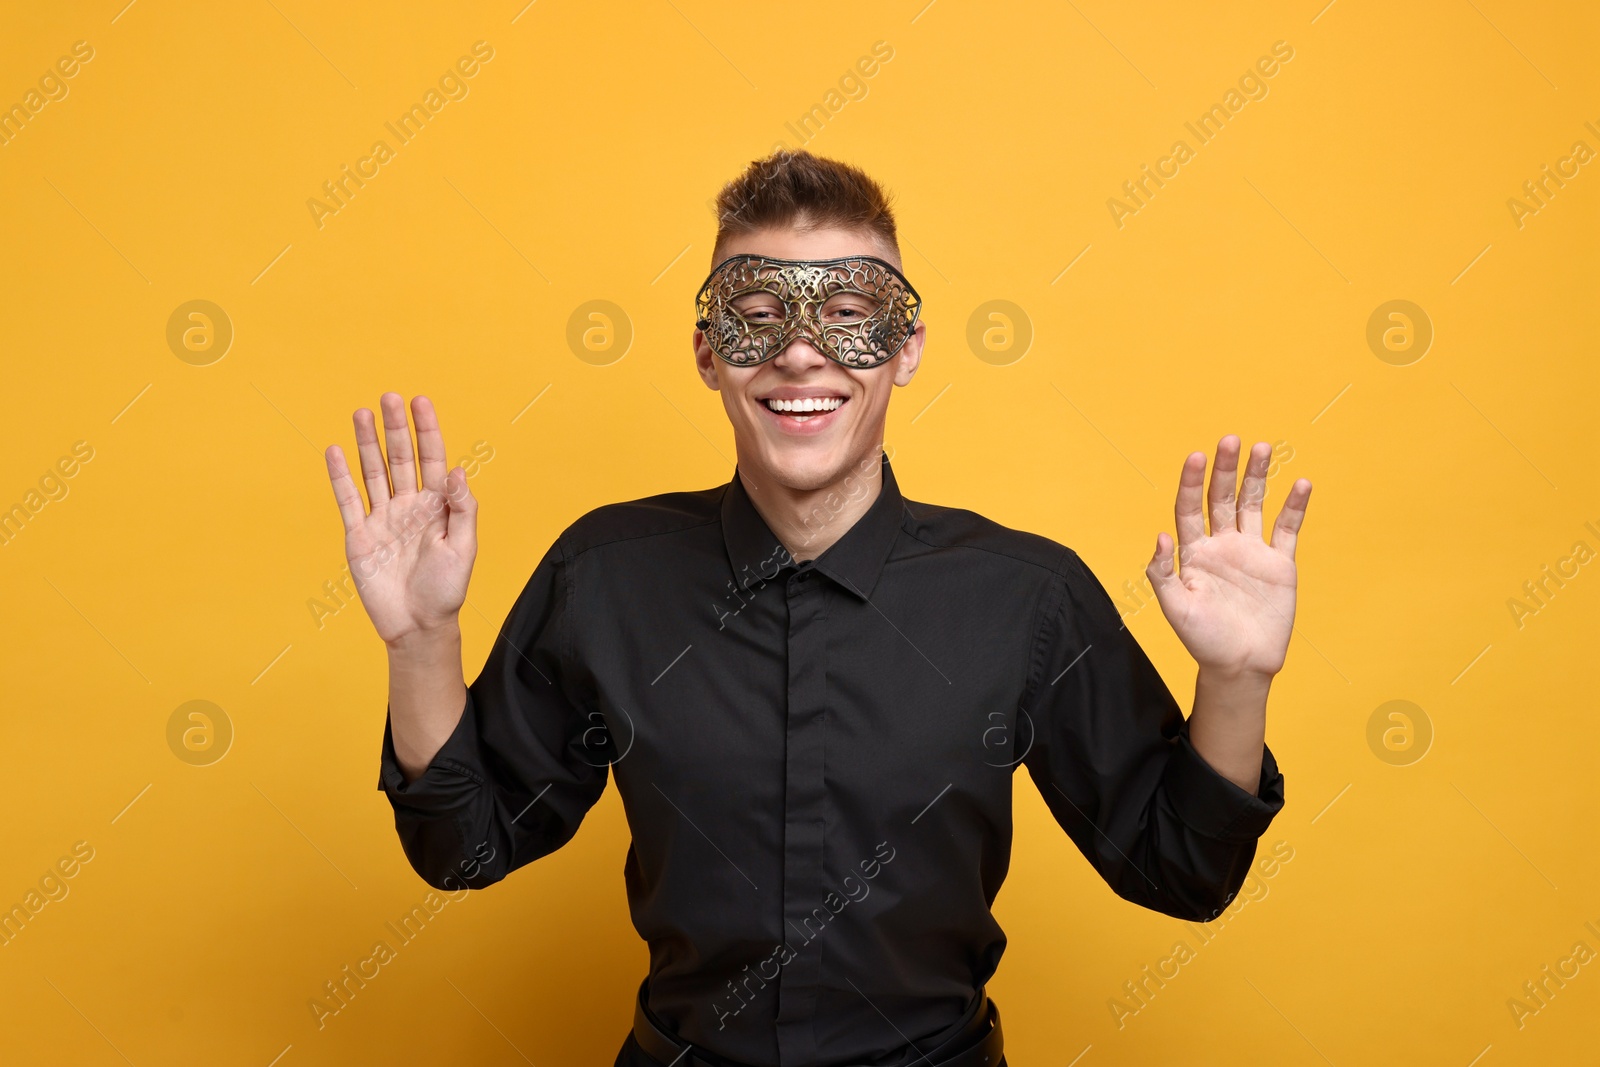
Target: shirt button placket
804,818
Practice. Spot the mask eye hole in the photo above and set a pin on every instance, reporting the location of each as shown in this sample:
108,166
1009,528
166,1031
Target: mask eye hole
848,308
758,307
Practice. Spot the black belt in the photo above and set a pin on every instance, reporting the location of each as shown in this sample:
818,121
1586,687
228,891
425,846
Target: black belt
976,1043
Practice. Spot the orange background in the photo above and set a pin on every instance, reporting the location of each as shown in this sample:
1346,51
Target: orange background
179,561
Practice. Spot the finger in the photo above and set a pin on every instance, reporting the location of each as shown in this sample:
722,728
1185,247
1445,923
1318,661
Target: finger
1286,531
1224,475
344,489
1160,569
430,444
373,472
462,524
397,436
1253,490
1186,512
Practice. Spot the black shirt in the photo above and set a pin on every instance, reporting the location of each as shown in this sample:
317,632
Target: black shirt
816,759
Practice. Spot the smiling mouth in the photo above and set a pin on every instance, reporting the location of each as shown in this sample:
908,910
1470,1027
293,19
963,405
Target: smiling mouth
807,408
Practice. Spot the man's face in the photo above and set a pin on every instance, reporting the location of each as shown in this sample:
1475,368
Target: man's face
814,449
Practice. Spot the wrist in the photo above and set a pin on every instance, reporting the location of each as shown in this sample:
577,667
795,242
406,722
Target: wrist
1235,676
425,640
1233,689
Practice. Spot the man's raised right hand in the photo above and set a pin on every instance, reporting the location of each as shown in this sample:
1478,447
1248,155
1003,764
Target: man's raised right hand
411,555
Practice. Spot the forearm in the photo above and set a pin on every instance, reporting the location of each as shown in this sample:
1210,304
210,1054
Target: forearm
427,693
1228,726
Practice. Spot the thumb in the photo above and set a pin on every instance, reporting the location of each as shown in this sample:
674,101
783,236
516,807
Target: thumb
1160,569
462,523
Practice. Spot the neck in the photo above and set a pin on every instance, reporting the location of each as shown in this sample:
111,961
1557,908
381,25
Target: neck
809,521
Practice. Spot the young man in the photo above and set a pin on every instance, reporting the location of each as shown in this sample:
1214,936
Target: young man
812,691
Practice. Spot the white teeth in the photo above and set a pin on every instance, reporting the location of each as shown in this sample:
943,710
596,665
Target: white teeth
810,403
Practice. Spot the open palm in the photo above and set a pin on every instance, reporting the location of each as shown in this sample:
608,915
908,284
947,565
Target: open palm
1231,600
411,555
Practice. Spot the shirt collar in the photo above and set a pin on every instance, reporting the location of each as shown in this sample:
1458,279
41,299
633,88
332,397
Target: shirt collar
854,561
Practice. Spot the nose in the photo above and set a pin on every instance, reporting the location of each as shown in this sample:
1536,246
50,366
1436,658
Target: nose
800,354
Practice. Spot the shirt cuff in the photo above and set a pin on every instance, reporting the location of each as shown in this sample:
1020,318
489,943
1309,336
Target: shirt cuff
457,759
1215,807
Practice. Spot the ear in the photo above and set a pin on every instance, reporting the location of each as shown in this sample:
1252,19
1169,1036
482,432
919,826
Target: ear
706,361
909,358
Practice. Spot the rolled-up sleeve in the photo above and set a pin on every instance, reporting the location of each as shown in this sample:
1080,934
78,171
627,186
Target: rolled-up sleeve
522,767
1112,758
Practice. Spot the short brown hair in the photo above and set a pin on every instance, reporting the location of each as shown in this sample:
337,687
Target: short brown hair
795,189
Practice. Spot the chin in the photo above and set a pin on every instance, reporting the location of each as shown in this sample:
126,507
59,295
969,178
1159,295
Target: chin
808,453
803,468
